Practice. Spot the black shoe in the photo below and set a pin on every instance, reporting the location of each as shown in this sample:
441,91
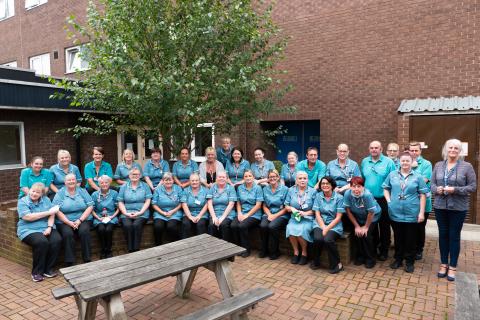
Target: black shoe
50,274
369,264
102,255
274,256
314,265
245,254
337,269
262,254
396,264
359,261
409,268
303,260
108,255
295,259
383,256
419,256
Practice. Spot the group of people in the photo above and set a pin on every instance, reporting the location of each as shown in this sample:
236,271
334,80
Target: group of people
227,196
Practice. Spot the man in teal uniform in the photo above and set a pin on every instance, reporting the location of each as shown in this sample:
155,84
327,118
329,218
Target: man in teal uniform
314,168
393,150
375,169
424,168
225,151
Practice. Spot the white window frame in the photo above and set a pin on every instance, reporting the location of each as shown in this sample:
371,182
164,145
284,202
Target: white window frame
45,61
11,64
22,145
199,158
9,8
72,69
30,4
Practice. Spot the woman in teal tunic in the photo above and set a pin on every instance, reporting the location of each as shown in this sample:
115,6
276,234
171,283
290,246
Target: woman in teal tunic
122,171
260,167
183,168
33,174
194,205
221,201
95,169
61,169
155,168
236,167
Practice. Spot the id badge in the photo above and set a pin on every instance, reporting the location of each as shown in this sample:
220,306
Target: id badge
197,202
304,206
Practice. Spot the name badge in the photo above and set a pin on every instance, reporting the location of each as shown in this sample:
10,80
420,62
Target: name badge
197,202
304,206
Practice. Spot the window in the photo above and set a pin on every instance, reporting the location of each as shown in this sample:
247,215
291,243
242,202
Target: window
74,58
7,9
12,145
204,137
41,64
29,4
12,64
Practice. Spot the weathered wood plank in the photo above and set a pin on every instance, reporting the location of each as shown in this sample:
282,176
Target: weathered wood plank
467,299
60,293
224,276
231,306
184,283
86,309
113,306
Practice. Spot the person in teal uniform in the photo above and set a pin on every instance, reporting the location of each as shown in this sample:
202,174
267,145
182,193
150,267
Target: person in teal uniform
122,171
405,192
221,202
424,168
155,168
364,212
74,218
183,168
375,169
393,150
249,211
224,152
168,212
342,169
95,169
289,170
36,228
195,209
275,216
61,169
134,200
299,203
105,214
327,226
312,166
236,167
260,167
33,174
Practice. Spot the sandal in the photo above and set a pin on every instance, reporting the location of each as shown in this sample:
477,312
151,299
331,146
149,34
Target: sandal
451,276
442,273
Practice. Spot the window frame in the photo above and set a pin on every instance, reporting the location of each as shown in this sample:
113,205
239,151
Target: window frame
67,59
12,4
194,157
22,163
9,64
39,3
41,56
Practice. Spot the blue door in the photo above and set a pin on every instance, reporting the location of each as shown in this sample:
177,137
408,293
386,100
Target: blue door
299,136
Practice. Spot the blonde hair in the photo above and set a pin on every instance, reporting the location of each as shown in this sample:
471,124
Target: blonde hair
128,150
275,171
62,151
38,186
210,149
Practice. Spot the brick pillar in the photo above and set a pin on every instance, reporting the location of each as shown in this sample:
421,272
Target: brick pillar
403,130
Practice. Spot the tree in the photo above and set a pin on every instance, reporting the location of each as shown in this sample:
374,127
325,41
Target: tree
169,65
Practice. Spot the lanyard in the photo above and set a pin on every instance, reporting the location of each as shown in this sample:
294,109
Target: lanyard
236,169
291,173
217,194
448,173
403,184
261,170
100,196
303,199
358,202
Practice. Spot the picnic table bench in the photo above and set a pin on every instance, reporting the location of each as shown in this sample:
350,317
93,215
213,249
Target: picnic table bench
467,296
102,281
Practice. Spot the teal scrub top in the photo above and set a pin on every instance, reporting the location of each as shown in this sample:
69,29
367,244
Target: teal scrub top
249,198
314,175
58,175
342,176
91,173
221,199
134,199
195,203
361,206
329,209
122,170
405,195
302,202
261,172
275,201
155,173
28,178
375,173
183,172
235,173
167,201
224,156
26,206
424,168
108,201
73,206
288,175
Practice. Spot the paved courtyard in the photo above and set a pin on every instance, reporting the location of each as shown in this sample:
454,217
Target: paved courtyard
300,293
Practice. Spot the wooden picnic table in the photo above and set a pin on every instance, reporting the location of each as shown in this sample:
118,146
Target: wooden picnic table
103,280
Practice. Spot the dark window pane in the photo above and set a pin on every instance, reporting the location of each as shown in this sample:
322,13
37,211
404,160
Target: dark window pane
203,139
10,149
130,142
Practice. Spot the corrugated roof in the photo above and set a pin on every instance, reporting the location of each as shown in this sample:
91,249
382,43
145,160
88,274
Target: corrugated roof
440,104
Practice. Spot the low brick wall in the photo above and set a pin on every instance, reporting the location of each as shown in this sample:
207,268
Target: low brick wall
15,250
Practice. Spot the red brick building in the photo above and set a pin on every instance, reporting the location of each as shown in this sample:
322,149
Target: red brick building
351,62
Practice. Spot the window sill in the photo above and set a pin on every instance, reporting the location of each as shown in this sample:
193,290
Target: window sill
35,6
12,166
3,19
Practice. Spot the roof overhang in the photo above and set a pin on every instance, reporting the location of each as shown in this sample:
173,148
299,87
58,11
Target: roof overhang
440,106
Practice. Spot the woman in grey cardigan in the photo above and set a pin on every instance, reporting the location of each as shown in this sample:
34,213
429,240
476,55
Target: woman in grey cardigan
209,168
452,181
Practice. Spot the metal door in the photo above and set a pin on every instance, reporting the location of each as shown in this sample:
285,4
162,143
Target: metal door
298,137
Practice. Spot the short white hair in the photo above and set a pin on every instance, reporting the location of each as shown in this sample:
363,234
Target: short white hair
447,144
105,178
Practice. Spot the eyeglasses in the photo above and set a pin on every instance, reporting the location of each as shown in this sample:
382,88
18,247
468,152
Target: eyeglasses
392,150
325,183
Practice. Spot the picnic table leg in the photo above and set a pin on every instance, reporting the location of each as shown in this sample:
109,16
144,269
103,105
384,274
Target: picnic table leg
113,306
224,276
86,309
184,283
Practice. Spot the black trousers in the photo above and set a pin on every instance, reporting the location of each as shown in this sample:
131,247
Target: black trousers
133,229
188,227
171,227
223,231
405,237
68,236
421,234
45,250
270,234
365,246
241,230
329,242
105,235
383,234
